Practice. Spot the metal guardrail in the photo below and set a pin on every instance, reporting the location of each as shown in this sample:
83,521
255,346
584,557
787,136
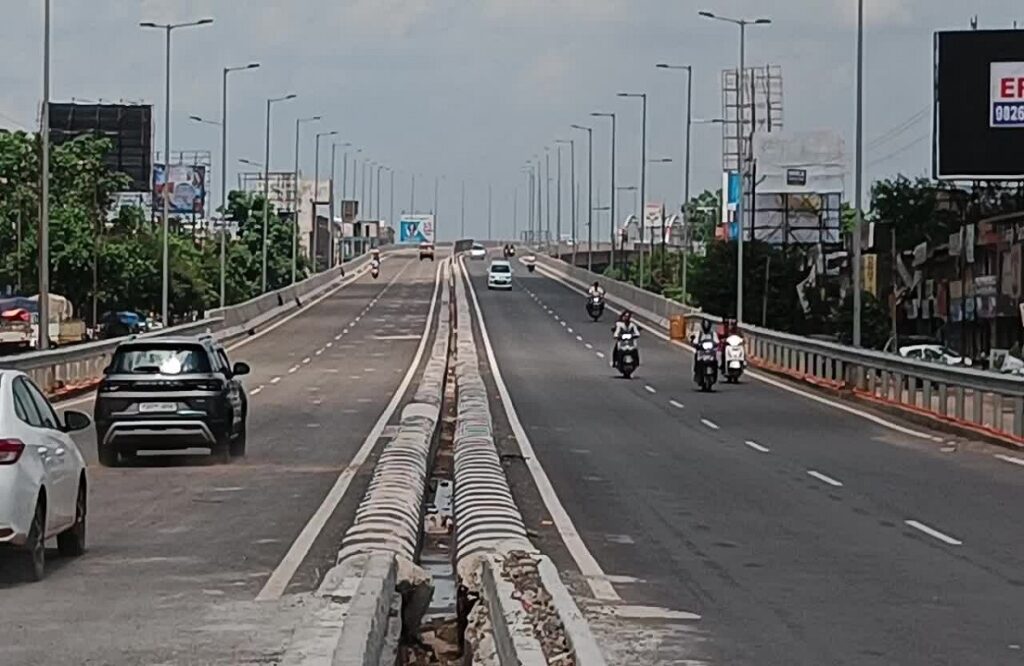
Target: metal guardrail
75,367
985,402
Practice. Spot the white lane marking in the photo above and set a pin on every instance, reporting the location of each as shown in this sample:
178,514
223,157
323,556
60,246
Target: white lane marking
319,351
764,378
757,447
358,318
835,483
329,345
600,354
338,336
710,424
256,391
589,346
349,279
650,389
1010,459
285,570
579,338
275,380
562,323
306,360
588,566
932,532
292,370
569,330
676,404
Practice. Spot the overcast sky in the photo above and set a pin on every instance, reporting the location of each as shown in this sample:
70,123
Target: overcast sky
471,89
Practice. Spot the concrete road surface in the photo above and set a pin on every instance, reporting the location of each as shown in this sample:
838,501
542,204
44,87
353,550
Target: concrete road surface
798,533
179,549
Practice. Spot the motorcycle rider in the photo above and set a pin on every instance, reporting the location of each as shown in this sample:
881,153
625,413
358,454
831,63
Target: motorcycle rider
624,324
596,290
707,332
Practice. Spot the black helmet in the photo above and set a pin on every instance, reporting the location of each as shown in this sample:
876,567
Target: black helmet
705,325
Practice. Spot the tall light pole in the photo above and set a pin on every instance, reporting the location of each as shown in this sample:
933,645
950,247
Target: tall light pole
314,254
684,209
43,341
643,176
266,192
463,208
334,190
297,195
597,114
412,193
43,226
661,228
224,175
490,234
743,140
558,216
379,167
590,194
858,219
391,195
547,192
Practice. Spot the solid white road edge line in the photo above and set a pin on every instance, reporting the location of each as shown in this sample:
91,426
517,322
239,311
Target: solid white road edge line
588,565
825,478
1011,459
768,380
932,532
282,575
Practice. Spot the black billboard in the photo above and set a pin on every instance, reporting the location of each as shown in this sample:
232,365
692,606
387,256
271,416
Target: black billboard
979,105
129,127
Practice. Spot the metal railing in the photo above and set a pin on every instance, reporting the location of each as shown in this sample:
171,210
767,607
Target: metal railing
77,367
985,402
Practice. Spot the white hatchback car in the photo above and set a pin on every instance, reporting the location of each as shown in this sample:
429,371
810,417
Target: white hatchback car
499,275
43,487
477,251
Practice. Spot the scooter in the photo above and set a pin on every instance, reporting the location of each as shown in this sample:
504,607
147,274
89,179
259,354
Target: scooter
530,261
735,359
705,366
595,307
375,271
628,359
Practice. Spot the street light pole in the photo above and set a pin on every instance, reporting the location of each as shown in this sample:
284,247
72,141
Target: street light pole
743,140
266,191
44,231
684,209
613,188
490,235
43,341
315,251
590,194
547,191
379,167
558,189
296,197
224,176
643,176
463,214
859,178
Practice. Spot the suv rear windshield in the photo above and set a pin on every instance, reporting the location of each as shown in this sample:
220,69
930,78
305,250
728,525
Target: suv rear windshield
161,359
501,268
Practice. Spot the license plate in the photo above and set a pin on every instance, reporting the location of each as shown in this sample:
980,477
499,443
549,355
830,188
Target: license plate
157,407
733,353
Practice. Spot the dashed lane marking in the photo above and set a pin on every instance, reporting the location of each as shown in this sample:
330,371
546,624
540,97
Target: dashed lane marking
757,447
710,424
824,478
934,533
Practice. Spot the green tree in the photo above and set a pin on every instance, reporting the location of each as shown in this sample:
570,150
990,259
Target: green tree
918,208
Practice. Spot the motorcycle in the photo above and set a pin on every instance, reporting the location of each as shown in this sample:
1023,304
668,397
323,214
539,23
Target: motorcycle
595,307
375,270
735,359
705,366
530,261
628,359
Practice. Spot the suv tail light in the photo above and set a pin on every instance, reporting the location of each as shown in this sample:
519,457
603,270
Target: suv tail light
10,451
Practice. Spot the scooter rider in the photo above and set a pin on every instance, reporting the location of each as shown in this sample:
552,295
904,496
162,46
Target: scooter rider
707,332
624,324
595,290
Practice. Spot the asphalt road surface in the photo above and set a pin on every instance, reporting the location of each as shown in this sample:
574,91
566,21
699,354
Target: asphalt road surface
798,533
179,549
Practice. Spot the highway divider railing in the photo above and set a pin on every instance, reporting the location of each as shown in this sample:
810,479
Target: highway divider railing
64,371
970,400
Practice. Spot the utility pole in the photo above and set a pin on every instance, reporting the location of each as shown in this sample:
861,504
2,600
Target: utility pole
43,342
611,206
859,178
490,235
463,224
547,191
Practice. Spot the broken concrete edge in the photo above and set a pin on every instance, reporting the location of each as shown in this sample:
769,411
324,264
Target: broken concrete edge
356,613
511,630
577,629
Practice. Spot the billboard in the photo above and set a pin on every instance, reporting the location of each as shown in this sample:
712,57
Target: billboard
416,229
128,127
979,105
185,187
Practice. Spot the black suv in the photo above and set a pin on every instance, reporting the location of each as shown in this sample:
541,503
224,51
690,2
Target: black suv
171,393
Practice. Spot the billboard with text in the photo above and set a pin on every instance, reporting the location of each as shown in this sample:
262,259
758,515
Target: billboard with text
184,186
415,229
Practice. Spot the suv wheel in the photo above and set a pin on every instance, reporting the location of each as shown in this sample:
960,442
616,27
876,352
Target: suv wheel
237,447
108,456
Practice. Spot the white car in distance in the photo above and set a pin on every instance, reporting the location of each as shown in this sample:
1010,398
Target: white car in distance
499,275
477,251
43,485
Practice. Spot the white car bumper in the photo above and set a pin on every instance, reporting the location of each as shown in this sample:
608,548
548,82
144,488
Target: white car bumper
499,284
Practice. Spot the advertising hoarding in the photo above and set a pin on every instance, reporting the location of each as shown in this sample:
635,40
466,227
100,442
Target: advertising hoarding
979,105
128,127
415,229
185,187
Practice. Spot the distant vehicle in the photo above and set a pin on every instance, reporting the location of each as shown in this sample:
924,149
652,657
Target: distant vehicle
477,251
426,251
171,393
16,330
499,275
530,261
43,481
933,353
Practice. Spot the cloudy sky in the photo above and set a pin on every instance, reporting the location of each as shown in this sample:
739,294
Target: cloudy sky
471,89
